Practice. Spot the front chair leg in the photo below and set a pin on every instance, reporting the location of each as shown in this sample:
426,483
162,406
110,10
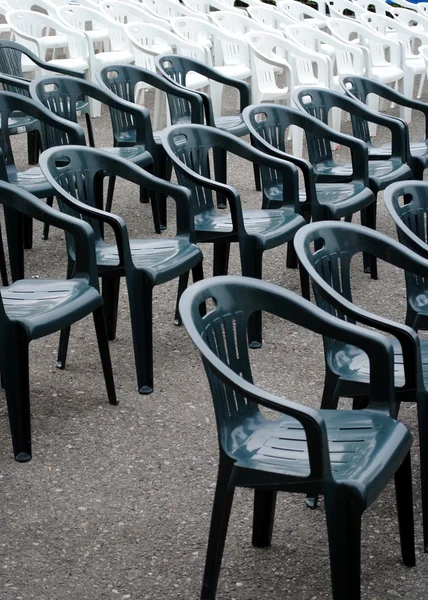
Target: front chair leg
15,372
63,348
264,514
104,350
49,202
140,290
197,275
110,292
404,495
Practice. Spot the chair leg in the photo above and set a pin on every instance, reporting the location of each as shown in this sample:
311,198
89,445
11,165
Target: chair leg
156,211
63,348
223,500
90,130
256,169
252,261
360,402
343,517
101,331
3,268
182,285
404,495
221,258
49,202
110,292
368,218
110,192
33,147
15,371
28,232
305,284
220,171
140,292
263,519
423,449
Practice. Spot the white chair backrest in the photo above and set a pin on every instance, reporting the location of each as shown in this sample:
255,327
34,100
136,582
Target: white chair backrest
47,7
380,6
205,6
407,36
235,23
338,8
78,16
379,23
416,20
266,55
29,26
347,58
129,12
302,12
169,9
381,51
148,41
271,17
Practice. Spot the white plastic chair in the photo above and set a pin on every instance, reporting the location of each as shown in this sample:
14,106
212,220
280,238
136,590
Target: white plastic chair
236,24
339,7
170,9
413,63
97,33
303,12
302,68
271,18
28,24
422,8
130,12
417,20
382,55
205,6
230,54
380,6
120,48
148,41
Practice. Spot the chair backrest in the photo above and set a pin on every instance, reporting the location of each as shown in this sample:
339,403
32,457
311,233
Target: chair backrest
271,17
56,132
380,6
205,6
45,5
347,58
226,48
31,26
346,9
77,174
171,9
129,12
303,12
235,23
148,41
18,203
185,106
78,16
221,338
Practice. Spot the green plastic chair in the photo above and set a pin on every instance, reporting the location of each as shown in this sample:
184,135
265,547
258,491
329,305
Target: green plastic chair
269,126
61,95
407,203
55,131
11,58
34,308
76,174
319,104
359,88
325,250
175,69
256,231
303,450
184,106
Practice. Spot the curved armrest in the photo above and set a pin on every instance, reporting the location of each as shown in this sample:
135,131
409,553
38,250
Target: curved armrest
230,143
360,110
17,82
388,250
20,201
40,63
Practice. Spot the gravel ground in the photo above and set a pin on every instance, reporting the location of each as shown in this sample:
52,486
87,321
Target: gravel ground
116,501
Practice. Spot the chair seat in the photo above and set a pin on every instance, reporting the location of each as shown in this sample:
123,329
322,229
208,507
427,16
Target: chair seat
383,172
98,35
235,71
163,258
33,181
195,81
356,438
74,64
137,154
386,74
21,124
114,58
351,363
54,41
232,124
340,199
38,304
270,225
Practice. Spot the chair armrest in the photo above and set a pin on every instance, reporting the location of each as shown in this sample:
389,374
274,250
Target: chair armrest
18,82
40,63
384,248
